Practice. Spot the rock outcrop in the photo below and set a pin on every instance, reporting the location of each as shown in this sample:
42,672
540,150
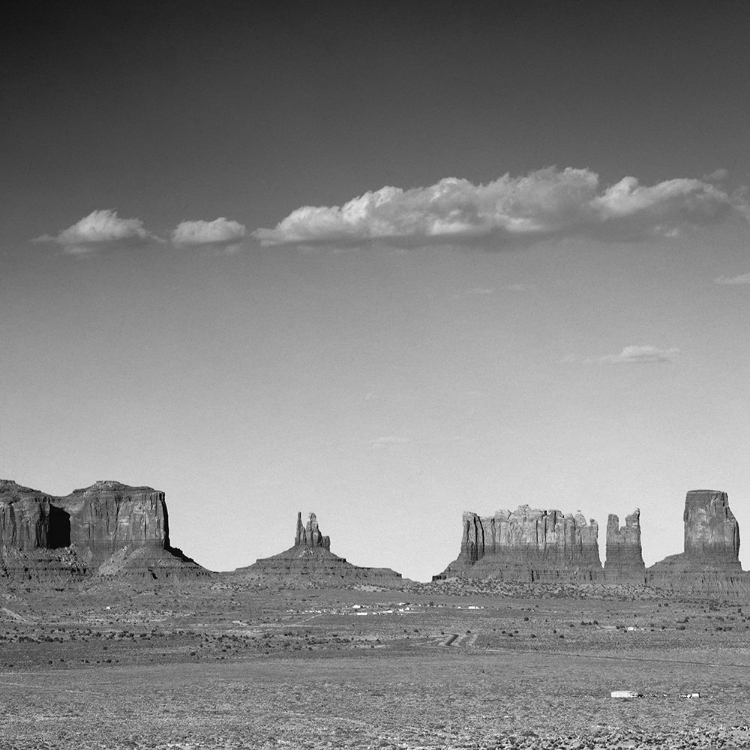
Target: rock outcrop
624,563
528,545
710,564
309,535
311,562
712,533
107,528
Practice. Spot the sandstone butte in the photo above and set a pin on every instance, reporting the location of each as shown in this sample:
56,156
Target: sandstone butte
528,545
624,563
310,559
106,529
710,561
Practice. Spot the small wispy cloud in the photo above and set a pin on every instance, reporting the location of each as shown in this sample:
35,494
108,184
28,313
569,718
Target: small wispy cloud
100,230
481,290
743,278
633,355
718,175
219,233
387,440
544,204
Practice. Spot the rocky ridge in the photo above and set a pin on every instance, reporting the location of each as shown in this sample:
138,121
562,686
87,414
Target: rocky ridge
310,560
106,529
528,545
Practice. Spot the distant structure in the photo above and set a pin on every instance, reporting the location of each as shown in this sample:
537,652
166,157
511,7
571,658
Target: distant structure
106,529
624,562
710,564
310,561
528,545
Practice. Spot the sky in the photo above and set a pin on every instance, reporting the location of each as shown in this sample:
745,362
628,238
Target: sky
386,262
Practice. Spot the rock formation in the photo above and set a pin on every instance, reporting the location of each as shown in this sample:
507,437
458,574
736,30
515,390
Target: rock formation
624,563
310,536
528,545
103,529
710,564
310,561
711,530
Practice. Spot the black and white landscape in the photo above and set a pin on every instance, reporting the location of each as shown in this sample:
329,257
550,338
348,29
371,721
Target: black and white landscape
470,281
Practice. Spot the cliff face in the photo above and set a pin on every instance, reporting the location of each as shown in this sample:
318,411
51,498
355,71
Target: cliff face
24,517
528,544
711,530
110,515
624,563
710,564
106,528
310,562
309,535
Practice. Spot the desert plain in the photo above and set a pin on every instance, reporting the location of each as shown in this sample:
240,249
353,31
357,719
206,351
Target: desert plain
239,661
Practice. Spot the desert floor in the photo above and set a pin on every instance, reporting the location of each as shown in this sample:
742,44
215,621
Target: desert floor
241,664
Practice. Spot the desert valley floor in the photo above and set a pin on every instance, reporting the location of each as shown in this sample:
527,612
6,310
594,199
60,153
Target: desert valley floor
238,662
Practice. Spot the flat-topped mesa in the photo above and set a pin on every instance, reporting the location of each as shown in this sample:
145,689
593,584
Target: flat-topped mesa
107,528
710,564
711,530
624,563
528,544
310,535
111,515
311,562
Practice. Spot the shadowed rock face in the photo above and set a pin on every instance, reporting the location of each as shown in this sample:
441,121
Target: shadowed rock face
710,564
107,528
24,517
624,562
528,544
310,560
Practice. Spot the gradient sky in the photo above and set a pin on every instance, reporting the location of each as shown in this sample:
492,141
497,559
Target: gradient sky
516,322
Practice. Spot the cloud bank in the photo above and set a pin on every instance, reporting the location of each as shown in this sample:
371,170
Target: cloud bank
98,230
636,355
220,232
540,205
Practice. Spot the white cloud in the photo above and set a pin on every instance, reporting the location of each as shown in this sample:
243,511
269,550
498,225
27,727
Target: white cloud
635,355
98,230
220,232
542,204
743,278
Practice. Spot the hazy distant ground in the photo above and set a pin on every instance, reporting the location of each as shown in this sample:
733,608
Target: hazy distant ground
219,666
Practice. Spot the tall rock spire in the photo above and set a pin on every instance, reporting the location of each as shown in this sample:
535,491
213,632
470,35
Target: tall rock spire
624,563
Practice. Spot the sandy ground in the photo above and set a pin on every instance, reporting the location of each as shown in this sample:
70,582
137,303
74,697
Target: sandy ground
217,666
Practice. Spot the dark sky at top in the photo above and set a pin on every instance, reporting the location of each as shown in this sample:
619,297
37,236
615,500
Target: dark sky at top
256,108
